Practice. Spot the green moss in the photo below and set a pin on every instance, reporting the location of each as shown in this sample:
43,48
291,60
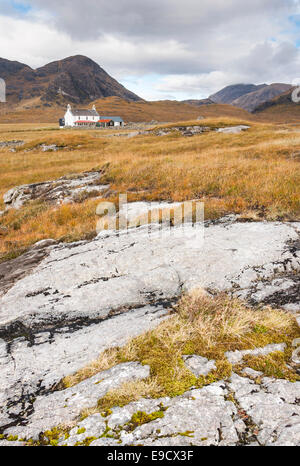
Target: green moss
188,433
81,431
106,413
272,365
260,329
87,441
51,437
12,438
106,433
140,417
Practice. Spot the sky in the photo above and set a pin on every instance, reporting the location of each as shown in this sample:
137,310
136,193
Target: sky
161,49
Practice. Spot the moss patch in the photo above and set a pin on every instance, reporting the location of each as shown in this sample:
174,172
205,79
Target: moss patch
272,365
139,418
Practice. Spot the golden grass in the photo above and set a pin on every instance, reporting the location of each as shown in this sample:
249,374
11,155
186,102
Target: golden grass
255,174
163,111
201,325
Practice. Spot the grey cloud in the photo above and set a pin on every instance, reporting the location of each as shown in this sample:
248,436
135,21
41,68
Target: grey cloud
155,18
218,41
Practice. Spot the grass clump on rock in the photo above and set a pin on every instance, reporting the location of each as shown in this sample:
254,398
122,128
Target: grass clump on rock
204,326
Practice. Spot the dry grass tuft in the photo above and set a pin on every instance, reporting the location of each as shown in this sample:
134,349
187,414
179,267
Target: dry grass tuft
201,325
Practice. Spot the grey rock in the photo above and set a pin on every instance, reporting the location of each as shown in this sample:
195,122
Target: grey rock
13,270
30,367
64,406
11,144
64,190
234,357
8,443
252,373
75,300
44,243
233,129
105,442
199,365
272,406
132,269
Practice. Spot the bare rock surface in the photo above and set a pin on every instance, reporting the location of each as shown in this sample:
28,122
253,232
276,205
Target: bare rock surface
187,131
199,365
11,144
62,407
33,364
13,270
233,129
75,300
234,357
64,190
233,412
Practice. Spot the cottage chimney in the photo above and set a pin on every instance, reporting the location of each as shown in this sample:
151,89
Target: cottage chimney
94,108
69,107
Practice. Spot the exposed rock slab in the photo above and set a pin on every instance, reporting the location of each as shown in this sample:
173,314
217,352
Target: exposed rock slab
233,129
273,406
15,269
64,190
11,144
84,297
62,407
260,414
33,364
235,357
199,365
118,272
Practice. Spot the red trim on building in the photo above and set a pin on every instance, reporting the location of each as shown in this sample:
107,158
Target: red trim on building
85,121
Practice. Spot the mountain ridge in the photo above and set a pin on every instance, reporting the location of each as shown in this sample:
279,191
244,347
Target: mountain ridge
77,79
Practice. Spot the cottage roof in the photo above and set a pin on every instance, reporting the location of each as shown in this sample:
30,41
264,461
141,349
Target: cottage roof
113,118
84,112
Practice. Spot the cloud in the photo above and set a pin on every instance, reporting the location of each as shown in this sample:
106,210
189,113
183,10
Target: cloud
193,48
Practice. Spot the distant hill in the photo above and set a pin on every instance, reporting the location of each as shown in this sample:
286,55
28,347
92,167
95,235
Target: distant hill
281,109
198,103
75,79
139,111
254,99
231,93
249,96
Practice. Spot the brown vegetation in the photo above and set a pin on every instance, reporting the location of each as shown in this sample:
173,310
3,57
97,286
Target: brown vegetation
255,174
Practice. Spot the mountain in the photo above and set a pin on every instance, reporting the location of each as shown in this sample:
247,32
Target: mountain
280,109
254,99
76,79
198,103
231,93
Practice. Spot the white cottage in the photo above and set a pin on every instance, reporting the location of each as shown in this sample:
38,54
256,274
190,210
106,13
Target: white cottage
81,117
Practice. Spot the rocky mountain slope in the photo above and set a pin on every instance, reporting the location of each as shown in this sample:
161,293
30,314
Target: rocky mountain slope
283,99
249,96
76,79
280,109
253,100
199,103
230,93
